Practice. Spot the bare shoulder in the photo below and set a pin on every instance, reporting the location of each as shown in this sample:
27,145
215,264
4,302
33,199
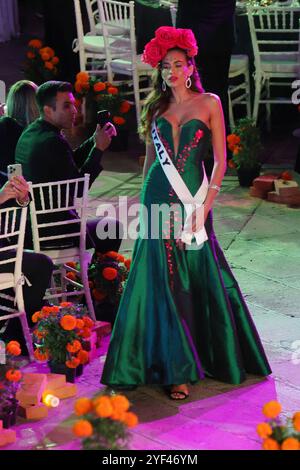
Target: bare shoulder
211,100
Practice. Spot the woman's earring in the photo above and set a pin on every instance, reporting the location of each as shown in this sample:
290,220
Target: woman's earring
188,82
163,86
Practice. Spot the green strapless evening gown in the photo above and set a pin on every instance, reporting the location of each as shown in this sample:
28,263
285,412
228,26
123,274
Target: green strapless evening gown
182,315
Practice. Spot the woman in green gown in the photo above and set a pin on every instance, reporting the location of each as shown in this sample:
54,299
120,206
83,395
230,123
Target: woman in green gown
182,315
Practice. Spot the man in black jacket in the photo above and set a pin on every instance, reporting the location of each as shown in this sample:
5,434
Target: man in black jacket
46,156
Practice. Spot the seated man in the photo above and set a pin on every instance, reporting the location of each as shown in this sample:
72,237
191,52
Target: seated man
46,156
36,267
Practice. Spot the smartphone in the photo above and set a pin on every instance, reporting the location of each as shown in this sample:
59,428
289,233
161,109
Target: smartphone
103,117
14,170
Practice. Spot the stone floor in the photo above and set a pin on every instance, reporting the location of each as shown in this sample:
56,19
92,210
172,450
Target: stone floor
261,243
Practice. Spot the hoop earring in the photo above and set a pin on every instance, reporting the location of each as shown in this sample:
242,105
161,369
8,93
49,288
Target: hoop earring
188,82
163,86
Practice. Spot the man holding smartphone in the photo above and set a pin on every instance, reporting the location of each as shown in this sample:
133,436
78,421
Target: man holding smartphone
46,156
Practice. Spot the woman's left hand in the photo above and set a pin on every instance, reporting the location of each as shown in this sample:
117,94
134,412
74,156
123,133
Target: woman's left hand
21,187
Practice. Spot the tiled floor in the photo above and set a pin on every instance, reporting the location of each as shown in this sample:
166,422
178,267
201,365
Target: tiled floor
261,242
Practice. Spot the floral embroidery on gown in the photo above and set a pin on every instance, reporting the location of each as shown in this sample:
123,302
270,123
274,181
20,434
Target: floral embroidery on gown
182,315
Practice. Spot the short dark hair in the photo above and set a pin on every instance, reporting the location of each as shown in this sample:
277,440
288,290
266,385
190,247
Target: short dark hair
46,93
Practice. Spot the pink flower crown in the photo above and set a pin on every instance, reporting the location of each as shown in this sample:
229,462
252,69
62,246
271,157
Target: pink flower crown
168,37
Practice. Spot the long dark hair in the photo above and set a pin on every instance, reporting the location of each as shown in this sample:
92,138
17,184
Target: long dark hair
158,101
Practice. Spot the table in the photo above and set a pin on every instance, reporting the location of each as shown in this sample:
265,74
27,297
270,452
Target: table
149,16
9,20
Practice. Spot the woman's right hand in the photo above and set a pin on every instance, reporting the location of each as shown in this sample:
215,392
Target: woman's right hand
7,192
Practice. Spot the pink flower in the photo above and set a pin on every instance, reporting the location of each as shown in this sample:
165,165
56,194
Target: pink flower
186,40
153,53
199,134
167,36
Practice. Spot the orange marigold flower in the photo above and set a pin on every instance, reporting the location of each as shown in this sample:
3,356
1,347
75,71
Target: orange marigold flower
36,43
118,415
79,323
78,87
72,276
74,347
99,86
30,55
47,50
237,150
109,274
49,65
72,363
264,430
270,444
83,428
296,421
71,264
85,333
112,90
83,406
127,263
272,409
112,254
13,375
119,120
233,139
41,356
36,317
231,164
98,295
125,107
120,403
68,322
66,304
88,322
82,77
291,443
13,348
104,407
55,60
130,419
83,356
45,57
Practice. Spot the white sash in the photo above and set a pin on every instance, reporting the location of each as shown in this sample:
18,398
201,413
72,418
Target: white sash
190,202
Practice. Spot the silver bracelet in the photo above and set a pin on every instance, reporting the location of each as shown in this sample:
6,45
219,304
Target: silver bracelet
215,186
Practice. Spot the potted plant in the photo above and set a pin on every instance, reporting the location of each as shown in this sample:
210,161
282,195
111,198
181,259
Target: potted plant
41,63
10,378
59,336
245,145
276,433
104,422
108,274
95,95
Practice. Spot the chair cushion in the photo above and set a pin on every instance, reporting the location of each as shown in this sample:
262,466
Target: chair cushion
280,64
125,66
238,62
6,280
115,31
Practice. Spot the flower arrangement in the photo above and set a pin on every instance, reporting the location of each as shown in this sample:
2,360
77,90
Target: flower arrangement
104,422
277,434
101,95
60,332
10,378
168,37
108,274
41,63
245,145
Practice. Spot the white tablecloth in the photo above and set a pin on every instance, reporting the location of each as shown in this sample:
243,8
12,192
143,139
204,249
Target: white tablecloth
9,20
